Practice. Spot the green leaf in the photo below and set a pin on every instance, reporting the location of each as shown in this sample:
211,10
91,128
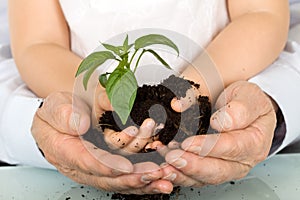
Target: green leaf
152,39
94,60
126,47
121,89
103,80
125,44
159,58
116,49
91,63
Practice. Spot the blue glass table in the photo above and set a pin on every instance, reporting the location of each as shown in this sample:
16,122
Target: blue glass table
275,178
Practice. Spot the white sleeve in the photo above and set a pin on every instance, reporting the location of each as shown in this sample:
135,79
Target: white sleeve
282,82
17,108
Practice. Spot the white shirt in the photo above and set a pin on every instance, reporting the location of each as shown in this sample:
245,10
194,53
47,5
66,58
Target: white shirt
18,104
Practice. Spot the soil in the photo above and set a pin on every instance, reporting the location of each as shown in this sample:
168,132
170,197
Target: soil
153,101
174,194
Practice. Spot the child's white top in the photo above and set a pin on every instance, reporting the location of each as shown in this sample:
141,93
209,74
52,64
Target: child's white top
92,21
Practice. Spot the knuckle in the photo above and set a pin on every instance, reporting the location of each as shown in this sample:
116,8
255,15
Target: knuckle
232,147
51,160
261,151
243,171
188,182
134,184
238,111
220,178
103,185
63,112
260,157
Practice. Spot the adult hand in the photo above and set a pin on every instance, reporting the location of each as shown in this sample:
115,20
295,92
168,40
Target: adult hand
57,128
246,121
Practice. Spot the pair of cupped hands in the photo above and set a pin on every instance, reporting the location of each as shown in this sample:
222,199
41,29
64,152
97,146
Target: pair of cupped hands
244,119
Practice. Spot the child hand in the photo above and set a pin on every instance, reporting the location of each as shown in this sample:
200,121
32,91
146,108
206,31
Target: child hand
131,139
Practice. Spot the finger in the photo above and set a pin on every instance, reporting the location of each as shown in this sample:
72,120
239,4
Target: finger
248,146
144,136
92,160
174,145
125,184
206,169
155,187
66,113
182,104
161,148
237,110
223,146
144,174
178,178
117,140
149,181
64,149
102,102
230,92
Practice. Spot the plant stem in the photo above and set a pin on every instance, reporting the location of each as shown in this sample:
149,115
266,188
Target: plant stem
137,62
133,57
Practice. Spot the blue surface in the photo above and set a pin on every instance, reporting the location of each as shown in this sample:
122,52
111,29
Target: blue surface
276,178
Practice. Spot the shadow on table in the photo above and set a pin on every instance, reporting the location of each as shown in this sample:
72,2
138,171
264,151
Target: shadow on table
3,164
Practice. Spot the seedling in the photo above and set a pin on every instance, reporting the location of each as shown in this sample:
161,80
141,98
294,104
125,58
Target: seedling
121,84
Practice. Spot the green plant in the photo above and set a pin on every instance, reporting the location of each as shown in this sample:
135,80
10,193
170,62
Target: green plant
121,84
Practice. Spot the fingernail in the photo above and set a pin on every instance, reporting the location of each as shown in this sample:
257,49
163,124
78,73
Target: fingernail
187,143
174,145
150,124
170,177
164,164
224,120
156,191
116,172
74,121
147,178
195,149
179,163
131,132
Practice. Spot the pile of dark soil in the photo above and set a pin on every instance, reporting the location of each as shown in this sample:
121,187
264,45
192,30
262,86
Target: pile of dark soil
174,194
154,102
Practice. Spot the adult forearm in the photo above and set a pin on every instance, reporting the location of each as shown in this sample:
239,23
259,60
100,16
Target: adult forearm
39,64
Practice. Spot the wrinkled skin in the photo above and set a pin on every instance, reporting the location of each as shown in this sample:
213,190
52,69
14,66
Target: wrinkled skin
57,131
246,122
245,118
198,161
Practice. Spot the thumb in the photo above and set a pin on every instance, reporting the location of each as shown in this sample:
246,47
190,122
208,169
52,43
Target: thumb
182,104
66,113
239,106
